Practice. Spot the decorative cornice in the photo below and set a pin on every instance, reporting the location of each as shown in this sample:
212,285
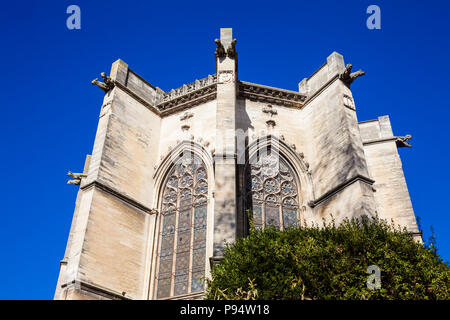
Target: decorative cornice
188,100
260,93
338,189
189,95
204,90
118,195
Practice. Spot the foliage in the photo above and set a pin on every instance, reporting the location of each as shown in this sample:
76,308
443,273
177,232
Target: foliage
330,262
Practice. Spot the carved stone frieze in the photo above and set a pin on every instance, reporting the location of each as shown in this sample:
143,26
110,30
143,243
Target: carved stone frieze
197,92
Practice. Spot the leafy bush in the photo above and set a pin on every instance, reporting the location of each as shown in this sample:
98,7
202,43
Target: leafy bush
330,262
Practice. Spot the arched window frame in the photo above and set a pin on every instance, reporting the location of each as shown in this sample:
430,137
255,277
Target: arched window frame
161,176
297,165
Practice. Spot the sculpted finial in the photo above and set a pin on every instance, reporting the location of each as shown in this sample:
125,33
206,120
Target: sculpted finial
349,77
76,178
401,141
107,85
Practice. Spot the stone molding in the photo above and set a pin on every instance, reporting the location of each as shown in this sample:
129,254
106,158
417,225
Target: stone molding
95,289
265,94
188,100
321,89
118,195
189,95
137,97
331,193
190,296
204,90
367,142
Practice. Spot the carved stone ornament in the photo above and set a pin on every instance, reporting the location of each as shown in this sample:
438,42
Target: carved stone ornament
186,116
220,50
189,95
231,51
76,178
107,85
271,112
225,76
264,94
184,120
401,141
271,123
348,101
347,77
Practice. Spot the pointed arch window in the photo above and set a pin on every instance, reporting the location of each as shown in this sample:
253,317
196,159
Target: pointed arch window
272,192
182,236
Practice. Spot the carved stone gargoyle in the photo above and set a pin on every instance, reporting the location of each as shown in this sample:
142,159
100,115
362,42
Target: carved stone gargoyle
349,77
401,141
220,50
231,51
107,85
76,178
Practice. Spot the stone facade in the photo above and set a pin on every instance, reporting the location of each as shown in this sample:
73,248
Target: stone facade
172,173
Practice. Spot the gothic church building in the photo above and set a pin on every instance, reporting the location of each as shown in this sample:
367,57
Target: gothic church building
173,175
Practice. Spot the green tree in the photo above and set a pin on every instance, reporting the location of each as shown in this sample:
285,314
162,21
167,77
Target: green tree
330,262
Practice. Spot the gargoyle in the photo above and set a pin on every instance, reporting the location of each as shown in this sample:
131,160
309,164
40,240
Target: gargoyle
107,85
231,51
76,178
401,141
220,51
348,77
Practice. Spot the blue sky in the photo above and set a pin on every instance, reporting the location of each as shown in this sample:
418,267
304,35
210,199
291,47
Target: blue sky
50,110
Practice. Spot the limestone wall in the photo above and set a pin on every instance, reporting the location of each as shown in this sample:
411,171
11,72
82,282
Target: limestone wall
385,167
333,143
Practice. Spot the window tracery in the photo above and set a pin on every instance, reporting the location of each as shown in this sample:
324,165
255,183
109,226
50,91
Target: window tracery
272,192
182,237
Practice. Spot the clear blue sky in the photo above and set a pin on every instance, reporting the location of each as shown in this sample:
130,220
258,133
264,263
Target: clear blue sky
50,110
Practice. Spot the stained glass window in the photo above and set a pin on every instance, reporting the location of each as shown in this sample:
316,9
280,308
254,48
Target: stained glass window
272,193
182,245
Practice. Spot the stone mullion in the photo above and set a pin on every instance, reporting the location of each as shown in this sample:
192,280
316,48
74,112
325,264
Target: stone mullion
175,240
158,265
191,244
280,200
